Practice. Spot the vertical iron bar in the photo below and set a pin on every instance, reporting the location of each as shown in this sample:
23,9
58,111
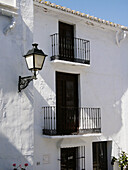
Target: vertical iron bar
82,119
81,57
44,117
57,44
51,119
84,112
93,124
80,124
48,118
82,51
65,54
86,50
76,48
85,118
98,119
86,53
54,120
90,119
84,157
94,119
54,44
92,114
88,113
89,50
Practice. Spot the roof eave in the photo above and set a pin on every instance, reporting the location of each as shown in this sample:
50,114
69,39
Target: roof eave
79,14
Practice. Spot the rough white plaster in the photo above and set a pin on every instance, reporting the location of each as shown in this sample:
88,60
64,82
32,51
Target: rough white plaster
9,2
16,110
103,85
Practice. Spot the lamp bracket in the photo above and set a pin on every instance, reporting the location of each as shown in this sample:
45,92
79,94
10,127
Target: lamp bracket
24,81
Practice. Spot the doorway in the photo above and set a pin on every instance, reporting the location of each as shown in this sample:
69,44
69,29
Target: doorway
68,158
66,41
100,156
67,103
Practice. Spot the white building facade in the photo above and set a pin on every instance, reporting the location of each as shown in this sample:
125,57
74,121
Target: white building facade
74,116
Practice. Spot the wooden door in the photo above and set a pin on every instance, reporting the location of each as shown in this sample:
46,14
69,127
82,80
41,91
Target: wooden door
67,102
100,156
68,158
66,41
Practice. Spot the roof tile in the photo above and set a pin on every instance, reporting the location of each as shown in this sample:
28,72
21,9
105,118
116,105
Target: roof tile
53,5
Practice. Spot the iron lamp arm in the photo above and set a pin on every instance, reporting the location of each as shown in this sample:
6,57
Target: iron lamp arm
24,81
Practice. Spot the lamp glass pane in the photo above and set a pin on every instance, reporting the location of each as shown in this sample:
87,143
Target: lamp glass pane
29,61
39,59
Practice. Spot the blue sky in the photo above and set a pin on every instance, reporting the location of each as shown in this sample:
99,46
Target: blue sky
110,10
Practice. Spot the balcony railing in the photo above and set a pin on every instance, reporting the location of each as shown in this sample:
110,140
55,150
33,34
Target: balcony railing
88,120
75,50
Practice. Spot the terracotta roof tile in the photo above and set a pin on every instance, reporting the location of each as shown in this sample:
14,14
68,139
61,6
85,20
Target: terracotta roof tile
53,5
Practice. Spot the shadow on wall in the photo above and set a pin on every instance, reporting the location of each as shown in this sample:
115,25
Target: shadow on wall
13,46
106,92
97,92
9,154
102,91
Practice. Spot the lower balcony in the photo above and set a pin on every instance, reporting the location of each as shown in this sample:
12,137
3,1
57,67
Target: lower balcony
71,121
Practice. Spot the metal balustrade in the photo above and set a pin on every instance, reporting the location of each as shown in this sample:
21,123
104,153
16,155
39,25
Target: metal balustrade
65,48
73,120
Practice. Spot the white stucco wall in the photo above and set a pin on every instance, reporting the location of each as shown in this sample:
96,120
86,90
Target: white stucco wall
9,2
16,109
103,85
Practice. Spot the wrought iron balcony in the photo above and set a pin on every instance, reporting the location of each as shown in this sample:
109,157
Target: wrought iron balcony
88,120
75,50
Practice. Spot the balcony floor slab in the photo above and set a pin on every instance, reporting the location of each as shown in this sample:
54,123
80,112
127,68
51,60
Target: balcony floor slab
72,136
69,63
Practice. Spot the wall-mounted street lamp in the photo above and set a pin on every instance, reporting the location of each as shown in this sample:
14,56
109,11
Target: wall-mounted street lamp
35,60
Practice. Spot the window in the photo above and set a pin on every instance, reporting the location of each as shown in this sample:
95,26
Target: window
99,155
73,158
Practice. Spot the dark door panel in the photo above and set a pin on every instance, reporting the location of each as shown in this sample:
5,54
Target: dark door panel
67,102
66,41
100,156
68,158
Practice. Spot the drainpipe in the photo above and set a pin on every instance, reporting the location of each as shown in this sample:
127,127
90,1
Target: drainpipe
10,26
120,36
11,15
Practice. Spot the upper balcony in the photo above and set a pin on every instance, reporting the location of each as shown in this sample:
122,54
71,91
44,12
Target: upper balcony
70,49
71,121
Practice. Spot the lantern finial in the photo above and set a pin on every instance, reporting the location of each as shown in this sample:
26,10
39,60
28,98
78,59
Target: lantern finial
35,45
